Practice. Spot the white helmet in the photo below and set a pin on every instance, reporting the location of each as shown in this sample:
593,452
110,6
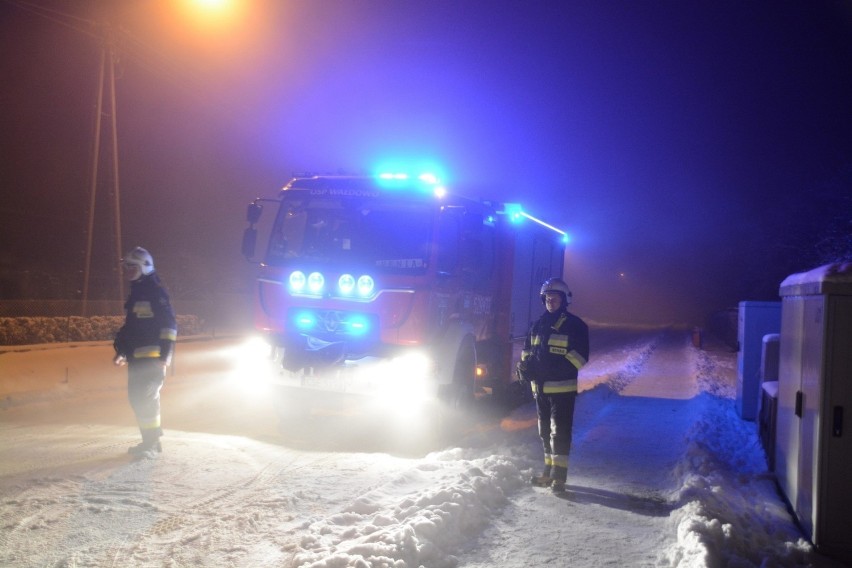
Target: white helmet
556,285
140,259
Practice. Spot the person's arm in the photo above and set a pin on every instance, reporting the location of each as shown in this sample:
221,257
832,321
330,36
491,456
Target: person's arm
579,353
168,327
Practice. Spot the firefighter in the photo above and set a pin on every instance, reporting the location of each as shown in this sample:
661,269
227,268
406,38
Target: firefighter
555,349
145,344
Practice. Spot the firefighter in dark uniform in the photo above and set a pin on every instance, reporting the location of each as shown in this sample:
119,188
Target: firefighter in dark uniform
555,350
145,343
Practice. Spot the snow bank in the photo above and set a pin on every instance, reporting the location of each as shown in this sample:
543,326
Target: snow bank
727,508
404,524
37,330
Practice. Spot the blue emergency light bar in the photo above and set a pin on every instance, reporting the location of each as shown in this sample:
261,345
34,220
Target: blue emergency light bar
427,181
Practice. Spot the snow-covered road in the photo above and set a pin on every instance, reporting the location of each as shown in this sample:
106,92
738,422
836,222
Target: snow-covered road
662,473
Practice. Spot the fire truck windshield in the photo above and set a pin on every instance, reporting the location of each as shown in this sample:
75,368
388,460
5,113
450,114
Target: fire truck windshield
383,235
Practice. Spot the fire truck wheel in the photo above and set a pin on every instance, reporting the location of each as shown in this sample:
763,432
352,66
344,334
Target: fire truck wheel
457,397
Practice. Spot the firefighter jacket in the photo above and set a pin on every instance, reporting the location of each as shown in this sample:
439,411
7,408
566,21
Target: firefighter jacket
555,350
150,328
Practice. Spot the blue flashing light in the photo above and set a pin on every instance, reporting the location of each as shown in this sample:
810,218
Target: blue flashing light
358,325
305,320
419,177
514,212
399,176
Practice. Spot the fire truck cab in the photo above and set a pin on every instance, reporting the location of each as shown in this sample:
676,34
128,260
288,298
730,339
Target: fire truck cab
392,284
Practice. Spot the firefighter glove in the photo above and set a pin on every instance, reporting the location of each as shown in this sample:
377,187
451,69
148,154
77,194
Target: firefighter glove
523,372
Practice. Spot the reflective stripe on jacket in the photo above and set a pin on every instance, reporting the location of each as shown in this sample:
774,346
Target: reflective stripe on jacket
556,348
150,328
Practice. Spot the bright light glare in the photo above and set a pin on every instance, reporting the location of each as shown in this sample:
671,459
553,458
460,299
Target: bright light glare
252,365
406,378
212,4
315,282
346,284
358,325
366,284
513,210
543,224
305,320
221,31
297,281
214,14
517,214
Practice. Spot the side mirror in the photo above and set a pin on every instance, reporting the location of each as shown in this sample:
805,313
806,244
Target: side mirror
249,242
253,213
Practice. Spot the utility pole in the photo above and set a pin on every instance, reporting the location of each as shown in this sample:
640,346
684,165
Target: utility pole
107,67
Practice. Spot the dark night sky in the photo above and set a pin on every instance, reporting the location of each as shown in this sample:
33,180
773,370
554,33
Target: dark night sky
692,149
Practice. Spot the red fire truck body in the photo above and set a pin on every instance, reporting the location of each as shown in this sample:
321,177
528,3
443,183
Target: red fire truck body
392,269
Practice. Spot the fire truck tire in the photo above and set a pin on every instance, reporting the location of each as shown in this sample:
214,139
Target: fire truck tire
464,374
456,398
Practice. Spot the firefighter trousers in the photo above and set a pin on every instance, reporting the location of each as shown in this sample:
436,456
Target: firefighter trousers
555,424
145,378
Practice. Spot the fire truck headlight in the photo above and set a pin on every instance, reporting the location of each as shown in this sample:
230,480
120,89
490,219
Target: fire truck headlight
366,285
346,284
316,281
297,281
250,366
403,381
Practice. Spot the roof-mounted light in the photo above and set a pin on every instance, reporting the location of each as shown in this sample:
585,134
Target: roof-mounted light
399,176
417,177
517,214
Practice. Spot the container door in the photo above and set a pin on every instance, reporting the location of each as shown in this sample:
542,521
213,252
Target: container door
813,337
834,521
789,384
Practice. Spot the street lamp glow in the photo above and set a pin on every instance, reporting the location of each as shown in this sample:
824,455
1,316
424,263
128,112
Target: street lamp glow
212,5
211,12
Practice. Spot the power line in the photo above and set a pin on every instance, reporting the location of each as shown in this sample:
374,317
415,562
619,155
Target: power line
57,16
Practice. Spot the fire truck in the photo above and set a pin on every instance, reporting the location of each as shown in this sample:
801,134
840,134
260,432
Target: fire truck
390,284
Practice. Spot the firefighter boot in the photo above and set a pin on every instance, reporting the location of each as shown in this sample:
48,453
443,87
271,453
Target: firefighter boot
149,447
560,474
543,480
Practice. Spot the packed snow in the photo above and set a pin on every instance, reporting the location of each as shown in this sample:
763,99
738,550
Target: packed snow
662,472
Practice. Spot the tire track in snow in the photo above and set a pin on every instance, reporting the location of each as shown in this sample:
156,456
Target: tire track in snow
199,519
634,366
